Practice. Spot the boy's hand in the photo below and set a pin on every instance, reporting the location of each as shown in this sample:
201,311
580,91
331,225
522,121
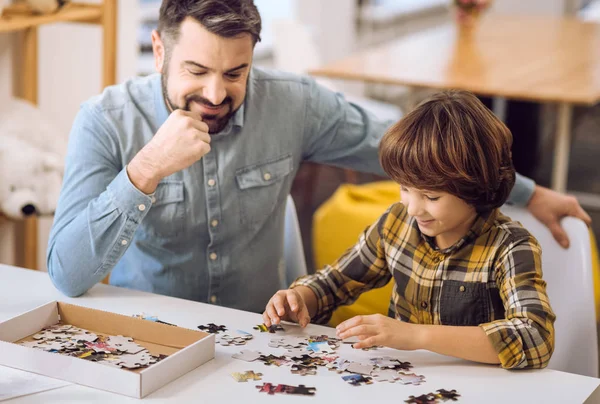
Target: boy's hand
377,329
287,305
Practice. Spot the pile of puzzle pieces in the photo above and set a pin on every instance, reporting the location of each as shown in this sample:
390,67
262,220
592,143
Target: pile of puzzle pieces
224,338
304,355
117,351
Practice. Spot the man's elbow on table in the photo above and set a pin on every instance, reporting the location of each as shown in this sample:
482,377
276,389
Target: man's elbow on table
65,282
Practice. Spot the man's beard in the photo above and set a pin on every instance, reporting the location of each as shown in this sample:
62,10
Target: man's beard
215,125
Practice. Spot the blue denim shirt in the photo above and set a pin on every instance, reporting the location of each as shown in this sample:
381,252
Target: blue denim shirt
214,231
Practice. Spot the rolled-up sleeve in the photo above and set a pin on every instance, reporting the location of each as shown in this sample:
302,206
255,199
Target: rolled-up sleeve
99,208
362,267
525,338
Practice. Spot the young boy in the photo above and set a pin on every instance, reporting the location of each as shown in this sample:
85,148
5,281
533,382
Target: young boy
468,280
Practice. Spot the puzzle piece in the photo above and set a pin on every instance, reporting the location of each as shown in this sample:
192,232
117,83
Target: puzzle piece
247,375
124,344
85,336
287,342
296,351
134,361
266,388
360,368
446,395
320,347
212,328
387,362
269,388
308,360
247,355
410,378
339,365
301,390
272,329
422,399
237,338
385,375
357,380
304,370
274,360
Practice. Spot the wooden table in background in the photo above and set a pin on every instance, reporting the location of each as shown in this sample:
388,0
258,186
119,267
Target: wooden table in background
543,59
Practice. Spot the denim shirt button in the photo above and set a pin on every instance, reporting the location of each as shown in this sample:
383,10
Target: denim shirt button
267,176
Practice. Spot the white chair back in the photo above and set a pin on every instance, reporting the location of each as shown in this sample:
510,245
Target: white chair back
294,261
568,273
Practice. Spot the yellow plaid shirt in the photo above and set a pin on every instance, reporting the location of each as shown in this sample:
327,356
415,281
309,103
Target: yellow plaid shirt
491,278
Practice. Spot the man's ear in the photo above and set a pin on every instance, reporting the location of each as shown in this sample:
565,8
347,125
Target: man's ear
158,48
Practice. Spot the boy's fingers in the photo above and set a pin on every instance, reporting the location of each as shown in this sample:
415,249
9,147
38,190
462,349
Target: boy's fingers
272,314
303,316
279,305
292,299
266,319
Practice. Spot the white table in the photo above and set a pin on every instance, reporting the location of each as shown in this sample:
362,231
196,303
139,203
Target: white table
22,290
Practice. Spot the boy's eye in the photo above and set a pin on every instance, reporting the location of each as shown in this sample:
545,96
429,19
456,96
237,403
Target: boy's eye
197,73
233,75
433,199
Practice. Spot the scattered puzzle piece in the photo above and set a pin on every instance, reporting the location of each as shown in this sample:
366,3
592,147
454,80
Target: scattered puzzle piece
357,380
247,355
446,395
245,376
385,375
272,329
422,399
359,368
274,360
410,378
271,389
212,328
304,370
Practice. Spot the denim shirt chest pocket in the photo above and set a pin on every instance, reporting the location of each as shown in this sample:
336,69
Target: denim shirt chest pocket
166,216
464,303
260,188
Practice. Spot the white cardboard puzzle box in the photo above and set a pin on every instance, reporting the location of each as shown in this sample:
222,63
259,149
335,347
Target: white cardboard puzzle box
186,349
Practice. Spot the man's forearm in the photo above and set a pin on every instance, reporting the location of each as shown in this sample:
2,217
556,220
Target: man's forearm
84,247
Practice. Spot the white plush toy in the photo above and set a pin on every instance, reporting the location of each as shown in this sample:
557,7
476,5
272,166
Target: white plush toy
31,161
46,6
38,6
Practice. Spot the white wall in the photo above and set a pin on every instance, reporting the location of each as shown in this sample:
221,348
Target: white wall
70,71
531,7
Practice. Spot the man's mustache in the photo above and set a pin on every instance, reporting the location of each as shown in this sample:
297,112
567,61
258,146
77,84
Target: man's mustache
206,102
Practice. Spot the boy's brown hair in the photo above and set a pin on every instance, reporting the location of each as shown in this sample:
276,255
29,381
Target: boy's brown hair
452,143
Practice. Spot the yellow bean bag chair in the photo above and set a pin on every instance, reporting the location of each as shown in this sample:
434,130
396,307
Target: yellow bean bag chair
340,220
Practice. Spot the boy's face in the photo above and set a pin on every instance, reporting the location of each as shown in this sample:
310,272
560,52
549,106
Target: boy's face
439,214
203,72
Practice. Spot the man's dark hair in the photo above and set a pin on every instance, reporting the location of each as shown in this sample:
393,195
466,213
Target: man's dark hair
226,18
